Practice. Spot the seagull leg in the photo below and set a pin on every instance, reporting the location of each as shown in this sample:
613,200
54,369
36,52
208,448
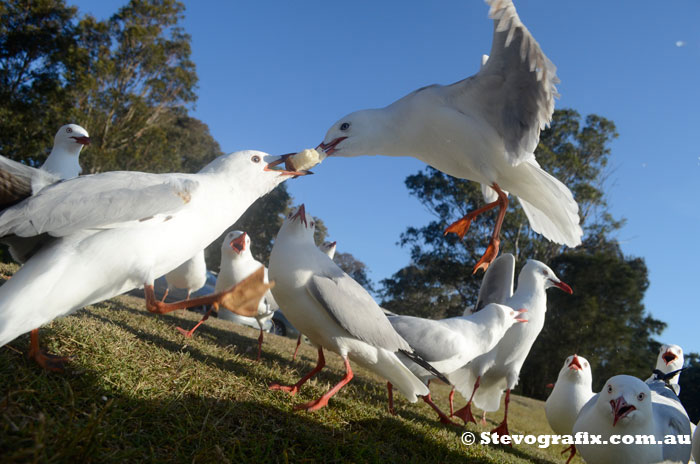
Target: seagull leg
189,292
390,391
441,415
165,295
452,398
188,333
240,299
483,418
466,412
47,361
572,452
294,357
492,248
293,389
323,400
260,341
502,428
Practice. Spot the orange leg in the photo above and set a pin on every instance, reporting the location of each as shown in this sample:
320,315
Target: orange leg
260,341
572,452
461,227
323,400
483,418
188,333
390,391
165,295
47,361
452,398
502,428
293,389
294,357
441,415
466,412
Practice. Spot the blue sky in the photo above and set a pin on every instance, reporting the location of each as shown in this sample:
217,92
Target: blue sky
274,76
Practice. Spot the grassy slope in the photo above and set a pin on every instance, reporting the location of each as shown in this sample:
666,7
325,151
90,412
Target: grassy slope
137,391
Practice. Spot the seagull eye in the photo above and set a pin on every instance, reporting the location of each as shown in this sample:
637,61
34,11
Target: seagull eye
345,126
610,389
312,223
69,130
641,397
255,159
585,364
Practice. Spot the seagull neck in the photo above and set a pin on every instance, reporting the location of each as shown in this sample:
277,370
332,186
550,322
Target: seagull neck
62,163
530,294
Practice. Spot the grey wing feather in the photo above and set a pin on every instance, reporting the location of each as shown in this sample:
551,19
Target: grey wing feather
19,181
497,285
422,335
590,404
356,311
97,201
673,418
516,87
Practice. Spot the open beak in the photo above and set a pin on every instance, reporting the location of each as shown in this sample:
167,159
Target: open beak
563,286
329,147
238,243
288,168
669,357
620,409
81,140
301,214
520,311
575,364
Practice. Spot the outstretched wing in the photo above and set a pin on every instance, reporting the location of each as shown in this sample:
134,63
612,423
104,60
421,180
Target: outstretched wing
19,181
497,285
98,201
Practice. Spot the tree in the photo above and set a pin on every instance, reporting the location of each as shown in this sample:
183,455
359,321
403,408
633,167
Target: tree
690,386
355,269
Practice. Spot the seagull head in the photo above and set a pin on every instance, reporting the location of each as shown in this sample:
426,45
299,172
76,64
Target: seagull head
300,224
328,248
236,243
670,358
71,138
540,272
625,400
576,369
359,133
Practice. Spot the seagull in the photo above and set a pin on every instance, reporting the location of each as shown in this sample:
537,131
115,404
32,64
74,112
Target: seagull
336,313
696,444
237,263
190,275
498,369
669,365
329,249
484,128
101,235
572,390
63,159
629,407
451,343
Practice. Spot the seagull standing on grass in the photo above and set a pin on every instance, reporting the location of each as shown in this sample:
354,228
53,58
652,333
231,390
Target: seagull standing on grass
629,407
329,249
499,369
484,128
102,235
572,390
669,365
449,344
335,313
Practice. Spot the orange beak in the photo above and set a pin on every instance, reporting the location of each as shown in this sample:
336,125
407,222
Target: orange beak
301,215
238,243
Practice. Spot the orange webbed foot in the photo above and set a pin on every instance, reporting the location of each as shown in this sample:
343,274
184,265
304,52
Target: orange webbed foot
459,227
489,255
465,414
291,389
49,361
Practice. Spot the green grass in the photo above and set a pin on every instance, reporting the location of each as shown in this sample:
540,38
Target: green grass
136,391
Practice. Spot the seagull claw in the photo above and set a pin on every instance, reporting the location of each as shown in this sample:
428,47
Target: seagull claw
489,255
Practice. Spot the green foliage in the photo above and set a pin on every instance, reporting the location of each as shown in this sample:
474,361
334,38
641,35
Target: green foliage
690,386
128,80
355,269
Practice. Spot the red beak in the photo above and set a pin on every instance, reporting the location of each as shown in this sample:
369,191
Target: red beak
575,364
563,286
288,167
81,140
329,147
238,243
520,311
668,357
301,214
620,409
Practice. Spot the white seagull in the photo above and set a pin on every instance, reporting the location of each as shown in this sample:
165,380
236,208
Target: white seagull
237,263
102,235
484,128
499,369
329,249
190,275
449,344
63,159
335,313
669,365
628,407
572,390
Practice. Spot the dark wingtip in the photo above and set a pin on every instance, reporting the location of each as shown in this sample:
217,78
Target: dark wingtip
413,356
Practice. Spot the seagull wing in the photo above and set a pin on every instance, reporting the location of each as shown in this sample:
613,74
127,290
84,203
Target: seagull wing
433,340
99,201
515,88
19,181
497,285
355,310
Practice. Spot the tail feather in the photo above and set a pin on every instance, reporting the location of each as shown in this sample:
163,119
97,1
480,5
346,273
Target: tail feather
548,204
413,356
